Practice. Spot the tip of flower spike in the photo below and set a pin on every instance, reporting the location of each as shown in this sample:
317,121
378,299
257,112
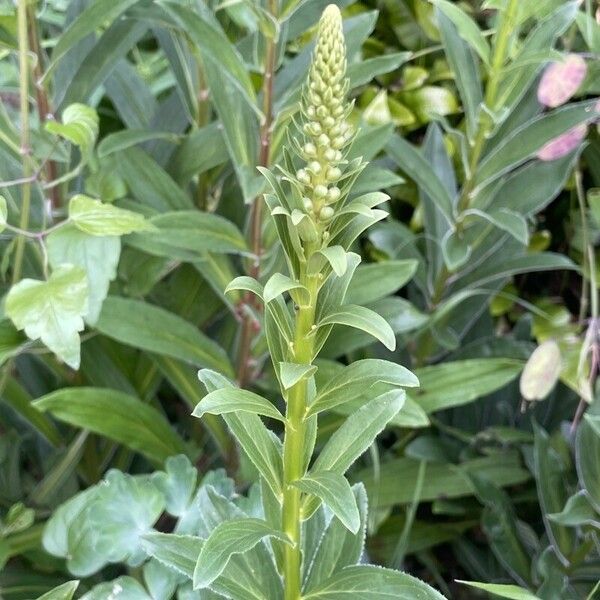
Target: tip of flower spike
332,12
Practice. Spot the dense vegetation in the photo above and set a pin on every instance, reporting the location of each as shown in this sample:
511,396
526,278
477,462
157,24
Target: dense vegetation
281,302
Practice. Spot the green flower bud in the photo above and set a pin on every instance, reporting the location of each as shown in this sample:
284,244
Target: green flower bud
333,194
308,205
326,213
320,191
310,149
303,177
314,167
333,174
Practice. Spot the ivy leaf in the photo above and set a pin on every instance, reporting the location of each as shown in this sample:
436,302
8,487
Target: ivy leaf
335,491
79,126
98,255
97,218
52,311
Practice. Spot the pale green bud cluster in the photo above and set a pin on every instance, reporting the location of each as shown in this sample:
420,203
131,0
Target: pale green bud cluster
326,131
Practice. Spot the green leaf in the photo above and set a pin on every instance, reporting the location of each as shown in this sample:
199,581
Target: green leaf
369,582
247,284
455,250
577,512
541,371
523,143
62,592
228,400
514,592
364,319
178,552
98,255
118,416
456,383
3,213
79,126
177,483
231,537
261,446
127,587
364,377
101,11
122,140
374,281
52,310
156,330
364,71
334,490
552,491
336,257
412,162
507,220
189,235
279,283
97,218
291,373
358,432
587,452
458,32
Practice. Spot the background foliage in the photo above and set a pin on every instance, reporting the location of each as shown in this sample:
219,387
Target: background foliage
479,119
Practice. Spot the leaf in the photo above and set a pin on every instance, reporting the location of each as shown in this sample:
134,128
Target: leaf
364,319
291,373
79,126
334,490
262,447
525,141
357,379
541,371
62,592
561,80
456,383
178,552
97,218
231,400
563,144
577,511
455,250
394,484
97,255
87,21
279,283
507,220
245,283
466,27
3,213
336,257
116,415
369,582
361,73
514,592
231,537
587,452
52,310
377,280
122,140
156,330
411,161
177,483
189,235
552,492
358,432
458,32
125,587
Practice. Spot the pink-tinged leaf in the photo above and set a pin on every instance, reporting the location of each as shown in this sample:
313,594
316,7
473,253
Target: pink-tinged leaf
561,80
563,144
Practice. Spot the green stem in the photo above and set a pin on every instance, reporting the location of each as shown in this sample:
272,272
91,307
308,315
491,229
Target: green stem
24,110
293,447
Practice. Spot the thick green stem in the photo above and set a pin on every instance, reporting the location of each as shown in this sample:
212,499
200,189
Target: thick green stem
24,110
293,448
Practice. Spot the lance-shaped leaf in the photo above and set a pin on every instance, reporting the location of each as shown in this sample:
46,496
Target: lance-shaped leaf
291,373
52,311
364,319
358,432
62,592
507,220
369,582
356,379
279,283
246,284
178,552
335,491
336,256
3,213
230,400
230,537
513,592
97,218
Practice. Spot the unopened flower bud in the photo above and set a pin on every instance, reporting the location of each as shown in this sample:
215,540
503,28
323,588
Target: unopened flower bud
310,149
323,140
314,167
333,173
303,177
326,213
308,205
320,191
333,194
